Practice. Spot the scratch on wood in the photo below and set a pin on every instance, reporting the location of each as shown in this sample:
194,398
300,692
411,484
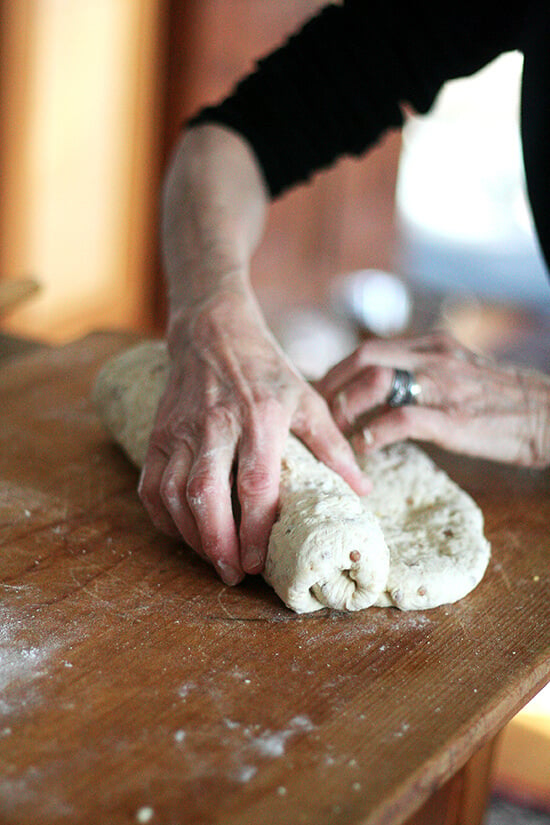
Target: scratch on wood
505,578
223,607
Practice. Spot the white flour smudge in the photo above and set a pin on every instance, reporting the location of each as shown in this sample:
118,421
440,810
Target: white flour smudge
245,773
21,663
260,744
186,689
273,744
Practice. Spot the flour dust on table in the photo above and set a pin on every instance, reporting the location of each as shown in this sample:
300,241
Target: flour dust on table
415,542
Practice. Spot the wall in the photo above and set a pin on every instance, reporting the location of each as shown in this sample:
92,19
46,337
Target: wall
79,82
93,95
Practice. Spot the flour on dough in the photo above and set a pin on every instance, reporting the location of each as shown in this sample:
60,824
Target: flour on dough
433,528
127,392
415,542
325,549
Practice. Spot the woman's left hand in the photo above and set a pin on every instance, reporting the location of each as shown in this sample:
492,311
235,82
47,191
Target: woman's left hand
466,403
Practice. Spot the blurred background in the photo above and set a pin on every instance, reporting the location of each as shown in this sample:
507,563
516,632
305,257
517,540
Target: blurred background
93,94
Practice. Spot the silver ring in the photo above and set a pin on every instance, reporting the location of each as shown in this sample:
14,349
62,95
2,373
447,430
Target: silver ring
405,389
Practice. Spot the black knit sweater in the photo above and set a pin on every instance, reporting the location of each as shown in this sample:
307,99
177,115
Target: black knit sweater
334,87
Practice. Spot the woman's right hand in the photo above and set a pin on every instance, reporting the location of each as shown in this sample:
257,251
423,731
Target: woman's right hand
212,470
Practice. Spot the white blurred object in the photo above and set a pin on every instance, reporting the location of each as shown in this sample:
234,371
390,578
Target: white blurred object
313,340
463,218
377,301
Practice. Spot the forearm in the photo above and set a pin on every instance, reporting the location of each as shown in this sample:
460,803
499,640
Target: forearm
214,203
536,389
232,396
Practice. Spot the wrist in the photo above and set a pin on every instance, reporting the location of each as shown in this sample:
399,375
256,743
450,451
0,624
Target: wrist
212,217
230,307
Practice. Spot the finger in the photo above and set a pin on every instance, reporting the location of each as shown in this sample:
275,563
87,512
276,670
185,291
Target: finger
317,429
149,491
398,353
209,499
338,376
259,469
368,389
422,423
173,491
441,342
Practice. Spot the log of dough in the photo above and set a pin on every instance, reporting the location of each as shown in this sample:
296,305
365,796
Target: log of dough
416,542
325,549
433,528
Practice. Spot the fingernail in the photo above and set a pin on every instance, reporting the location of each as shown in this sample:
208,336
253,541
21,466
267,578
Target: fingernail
228,574
253,560
340,408
368,437
362,441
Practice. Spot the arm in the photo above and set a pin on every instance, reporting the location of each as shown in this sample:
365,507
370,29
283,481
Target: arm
343,80
232,396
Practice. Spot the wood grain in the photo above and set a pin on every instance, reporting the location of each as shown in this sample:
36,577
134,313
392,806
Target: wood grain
132,679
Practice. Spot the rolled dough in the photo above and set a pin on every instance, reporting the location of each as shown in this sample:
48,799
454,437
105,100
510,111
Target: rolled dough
415,542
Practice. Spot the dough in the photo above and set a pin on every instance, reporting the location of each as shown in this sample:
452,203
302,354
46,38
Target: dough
415,542
325,549
127,392
434,530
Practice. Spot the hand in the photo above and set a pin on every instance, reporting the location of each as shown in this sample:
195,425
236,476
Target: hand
467,403
220,433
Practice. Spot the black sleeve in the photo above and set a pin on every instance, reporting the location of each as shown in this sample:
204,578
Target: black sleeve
336,85
535,118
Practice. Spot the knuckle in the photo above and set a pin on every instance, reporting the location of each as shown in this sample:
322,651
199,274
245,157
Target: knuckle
255,481
362,355
315,404
268,409
220,419
445,341
196,485
263,419
170,493
199,490
404,416
313,414
167,434
375,377
159,441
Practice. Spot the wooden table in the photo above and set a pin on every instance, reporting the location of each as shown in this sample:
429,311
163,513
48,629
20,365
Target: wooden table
135,687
